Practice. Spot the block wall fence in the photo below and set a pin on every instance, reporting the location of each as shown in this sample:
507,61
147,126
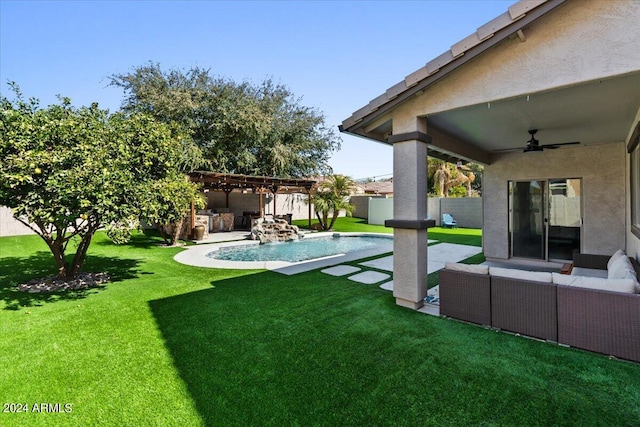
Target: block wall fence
467,211
376,209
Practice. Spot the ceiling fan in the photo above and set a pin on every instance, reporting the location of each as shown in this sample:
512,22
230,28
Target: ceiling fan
534,145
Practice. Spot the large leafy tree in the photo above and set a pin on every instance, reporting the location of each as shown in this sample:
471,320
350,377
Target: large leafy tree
331,197
240,127
65,171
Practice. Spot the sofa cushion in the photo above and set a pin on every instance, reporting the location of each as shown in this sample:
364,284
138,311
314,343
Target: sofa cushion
589,272
511,273
613,285
467,268
623,269
615,257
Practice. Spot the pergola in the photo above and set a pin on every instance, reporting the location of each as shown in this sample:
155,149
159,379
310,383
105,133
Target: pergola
257,184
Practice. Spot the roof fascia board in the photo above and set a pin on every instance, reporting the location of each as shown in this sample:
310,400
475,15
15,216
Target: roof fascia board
426,76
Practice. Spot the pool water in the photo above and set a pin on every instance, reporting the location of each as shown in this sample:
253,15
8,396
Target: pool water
300,250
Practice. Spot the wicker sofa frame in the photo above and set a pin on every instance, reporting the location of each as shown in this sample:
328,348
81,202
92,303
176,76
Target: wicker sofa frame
599,321
466,296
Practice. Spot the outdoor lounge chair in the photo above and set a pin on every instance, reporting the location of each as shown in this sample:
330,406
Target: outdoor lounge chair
448,221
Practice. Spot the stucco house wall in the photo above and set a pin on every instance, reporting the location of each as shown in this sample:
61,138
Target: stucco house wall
603,173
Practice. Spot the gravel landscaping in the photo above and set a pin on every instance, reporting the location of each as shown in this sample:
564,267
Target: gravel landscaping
55,283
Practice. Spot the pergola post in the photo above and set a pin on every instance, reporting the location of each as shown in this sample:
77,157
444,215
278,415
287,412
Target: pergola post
227,191
309,190
274,190
193,220
409,218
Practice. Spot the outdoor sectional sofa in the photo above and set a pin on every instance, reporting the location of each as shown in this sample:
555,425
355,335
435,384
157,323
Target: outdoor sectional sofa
550,306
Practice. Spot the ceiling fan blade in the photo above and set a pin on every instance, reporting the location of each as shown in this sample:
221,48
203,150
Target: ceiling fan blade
507,150
529,148
534,145
560,144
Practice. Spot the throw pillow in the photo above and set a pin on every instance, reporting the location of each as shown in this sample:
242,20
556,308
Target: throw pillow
623,269
615,257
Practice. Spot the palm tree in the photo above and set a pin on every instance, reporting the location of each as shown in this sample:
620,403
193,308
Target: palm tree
470,178
446,176
462,178
442,177
331,197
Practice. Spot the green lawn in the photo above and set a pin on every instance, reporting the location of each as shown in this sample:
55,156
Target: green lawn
168,344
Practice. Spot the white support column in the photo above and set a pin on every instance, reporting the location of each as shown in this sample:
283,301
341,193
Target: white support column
409,222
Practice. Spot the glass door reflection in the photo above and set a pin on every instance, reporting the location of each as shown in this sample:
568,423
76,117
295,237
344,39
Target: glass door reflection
527,219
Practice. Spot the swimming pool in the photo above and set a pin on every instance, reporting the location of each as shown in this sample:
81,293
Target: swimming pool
315,250
299,250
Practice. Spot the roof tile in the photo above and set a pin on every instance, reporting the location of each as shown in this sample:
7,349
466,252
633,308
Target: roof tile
465,44
378,101
491,27
363,111
518,10
396,90
439,62
416,76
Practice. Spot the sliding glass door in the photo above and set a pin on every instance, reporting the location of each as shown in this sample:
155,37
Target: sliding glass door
545,219
565,218
526,225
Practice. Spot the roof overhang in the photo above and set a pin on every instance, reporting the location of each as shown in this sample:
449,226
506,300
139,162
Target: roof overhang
501,28
595,111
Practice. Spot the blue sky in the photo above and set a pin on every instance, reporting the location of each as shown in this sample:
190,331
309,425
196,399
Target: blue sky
335,55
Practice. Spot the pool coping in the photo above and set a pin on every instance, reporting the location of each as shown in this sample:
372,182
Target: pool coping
195,255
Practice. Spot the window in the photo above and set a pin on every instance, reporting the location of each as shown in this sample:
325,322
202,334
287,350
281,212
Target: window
634,149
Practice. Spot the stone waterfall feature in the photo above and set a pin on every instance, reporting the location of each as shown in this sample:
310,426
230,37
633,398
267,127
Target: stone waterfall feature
274,230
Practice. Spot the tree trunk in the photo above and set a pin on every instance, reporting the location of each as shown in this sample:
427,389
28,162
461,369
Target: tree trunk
175,232
333,219
81,255
58,255
320,220
325,220
163,233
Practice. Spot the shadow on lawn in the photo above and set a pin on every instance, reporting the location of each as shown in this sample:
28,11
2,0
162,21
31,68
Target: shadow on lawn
313,349
193,328
247,347
146,240
18,270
